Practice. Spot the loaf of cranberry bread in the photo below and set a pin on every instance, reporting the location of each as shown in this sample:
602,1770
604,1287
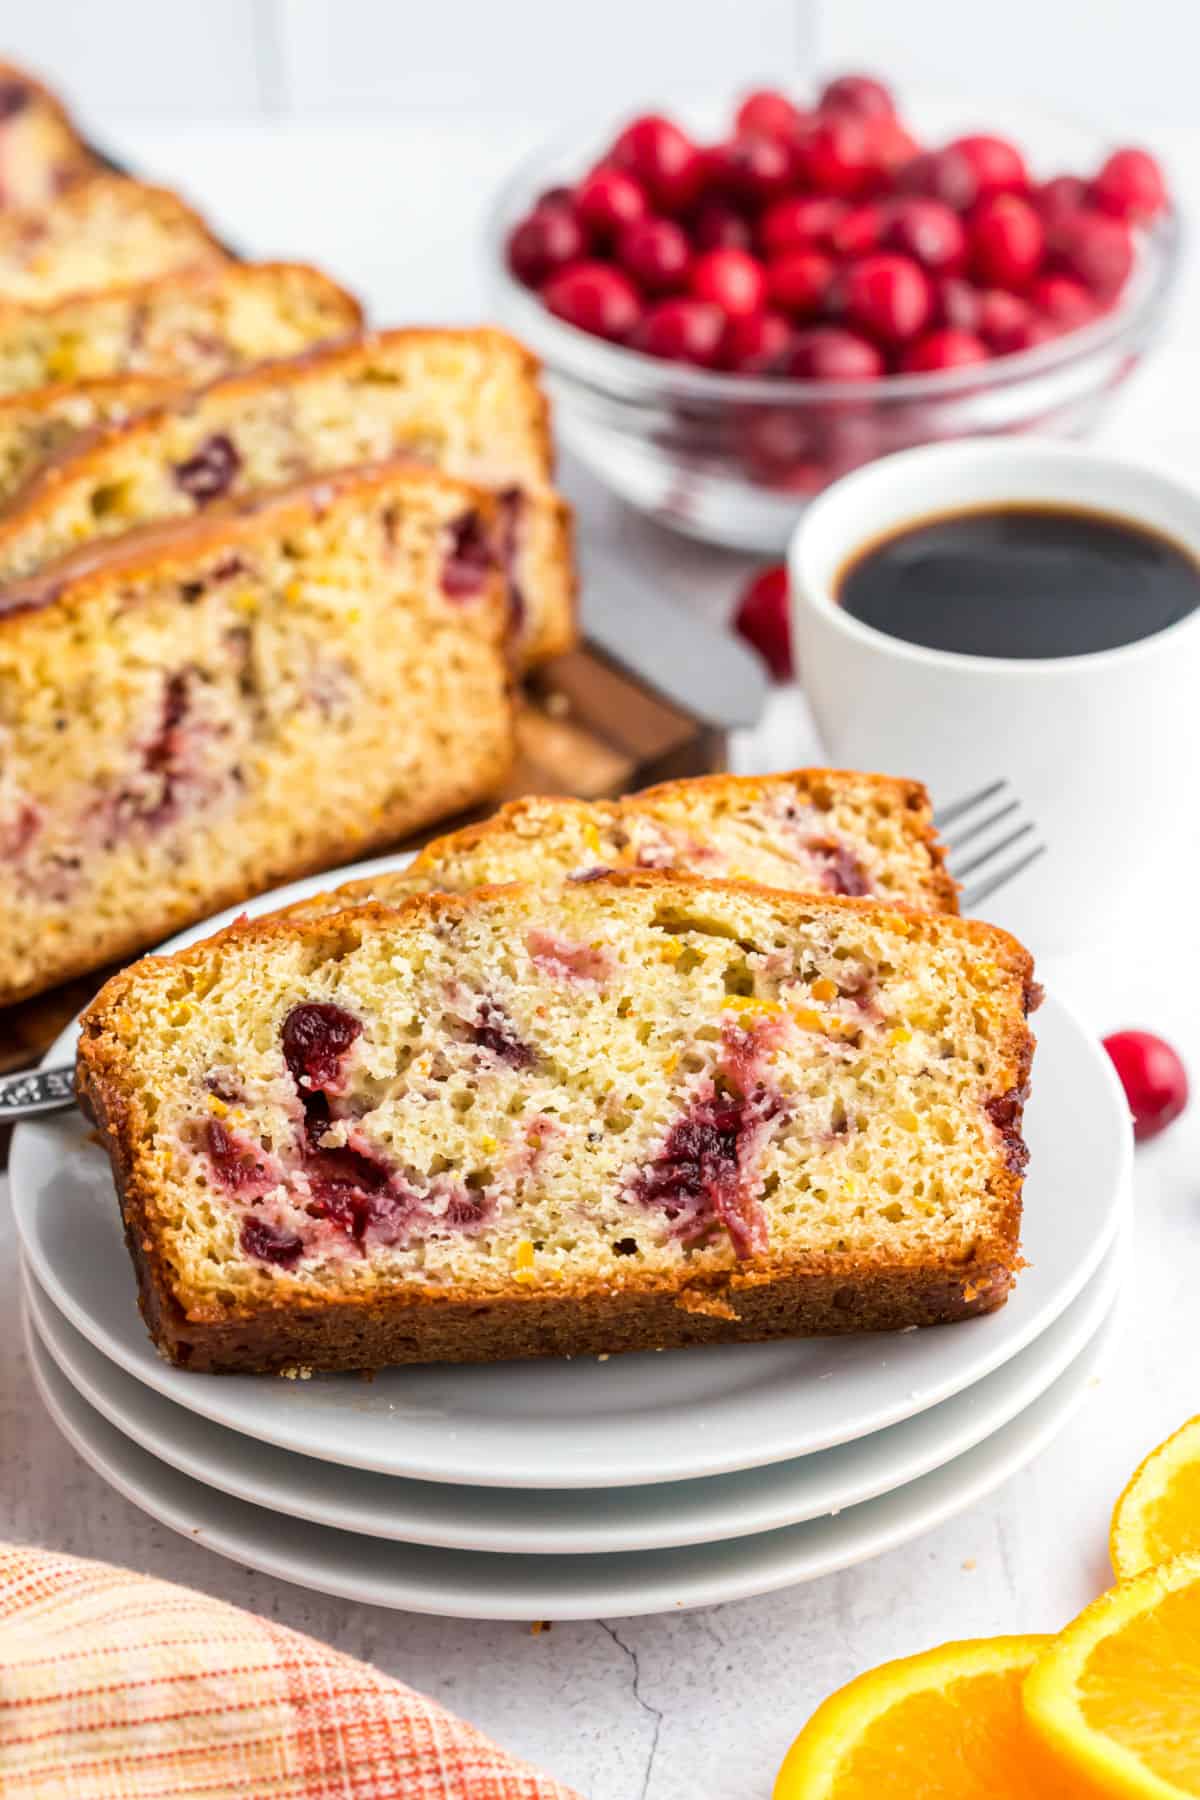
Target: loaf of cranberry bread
633,1113
468,402
817,831
41,152
194,326
37,425
205,708
101,233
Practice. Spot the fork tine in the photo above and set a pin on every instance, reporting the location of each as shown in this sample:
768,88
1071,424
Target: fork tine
994,850
973,831
973,897
947,815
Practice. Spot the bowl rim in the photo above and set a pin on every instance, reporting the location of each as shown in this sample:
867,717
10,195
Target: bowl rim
609,368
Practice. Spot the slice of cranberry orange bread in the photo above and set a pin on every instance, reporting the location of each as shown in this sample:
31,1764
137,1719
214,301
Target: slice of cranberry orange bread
466,401
202,709
640,1112
42,423
831,831
194,325
41,151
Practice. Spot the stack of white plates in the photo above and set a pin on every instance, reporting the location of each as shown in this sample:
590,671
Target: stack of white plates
593,1487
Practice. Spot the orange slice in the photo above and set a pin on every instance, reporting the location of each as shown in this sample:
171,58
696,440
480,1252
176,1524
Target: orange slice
1158,1515
945,1725
1116,1696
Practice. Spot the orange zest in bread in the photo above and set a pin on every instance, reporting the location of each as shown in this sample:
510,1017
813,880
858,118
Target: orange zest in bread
37,425
41,152
101,233
823,831
468,402
604,1116
204,708
193,326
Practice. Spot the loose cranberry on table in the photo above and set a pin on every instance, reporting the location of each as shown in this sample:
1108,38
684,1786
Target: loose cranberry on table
762,619
1154,1079
1131,186
596,298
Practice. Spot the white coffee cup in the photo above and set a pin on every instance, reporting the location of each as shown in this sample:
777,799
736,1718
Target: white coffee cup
1100,750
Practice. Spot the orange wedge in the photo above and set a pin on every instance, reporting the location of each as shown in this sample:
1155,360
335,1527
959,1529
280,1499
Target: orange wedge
1158,1514
1116,1696
945,1725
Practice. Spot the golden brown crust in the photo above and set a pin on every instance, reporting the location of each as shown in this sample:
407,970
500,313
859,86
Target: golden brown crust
85,163
766,1297
20,229
186,281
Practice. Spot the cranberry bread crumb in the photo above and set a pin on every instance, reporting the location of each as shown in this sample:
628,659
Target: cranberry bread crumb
823,831
203,709
42,423
102,233
41,152
640,1112
468,402
192,326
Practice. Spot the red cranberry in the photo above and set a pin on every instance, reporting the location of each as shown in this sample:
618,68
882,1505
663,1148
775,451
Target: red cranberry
894,147
838,156
956,303
1096,249
271,1243
662,158
595,298
827,353
997,167
545,241
1154,1079
316,1036
656,253
731,280
1031,335
762,619
756,343
860,94
1131,186
768,113
691,331
944,349
1008,241
1004,320
1066,303
757,168
944,175
929,232
211,471
1061,195
607,199
805,222
719,226
888,296
784,448
859,230
799,282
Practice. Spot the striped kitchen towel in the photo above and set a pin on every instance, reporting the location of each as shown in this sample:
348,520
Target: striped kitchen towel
114,1686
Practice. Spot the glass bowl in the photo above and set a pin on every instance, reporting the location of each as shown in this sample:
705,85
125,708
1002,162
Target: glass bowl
732,459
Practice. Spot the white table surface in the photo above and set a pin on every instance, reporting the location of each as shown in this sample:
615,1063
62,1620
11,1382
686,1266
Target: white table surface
697,1704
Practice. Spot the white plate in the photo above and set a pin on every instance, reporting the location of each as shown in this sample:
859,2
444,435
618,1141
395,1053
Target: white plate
634,1419
473,1585
520,1521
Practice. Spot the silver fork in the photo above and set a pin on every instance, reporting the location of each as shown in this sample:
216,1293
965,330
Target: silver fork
989,841
980,829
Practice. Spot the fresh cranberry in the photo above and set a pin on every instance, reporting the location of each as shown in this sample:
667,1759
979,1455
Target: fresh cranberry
656,253
859,230
1061,195
595,298
956,303
768,113
943,349
888,296
683,330
470,559
1094,248
1131,186
544,242
756,343
730,279
860,94
944,175
756,168
1032,335
718,226
1154,1079
799,282
1008,241
271,1243
838,156
1066,303
928,231
893,147
827,353
996,166
762,619
607,199
1004,320
211,471
316,1036
662,158
805,222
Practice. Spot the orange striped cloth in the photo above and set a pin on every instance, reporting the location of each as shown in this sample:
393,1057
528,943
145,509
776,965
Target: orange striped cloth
114,1686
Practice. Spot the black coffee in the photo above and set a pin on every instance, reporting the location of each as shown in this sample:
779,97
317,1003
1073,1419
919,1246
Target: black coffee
1021,581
